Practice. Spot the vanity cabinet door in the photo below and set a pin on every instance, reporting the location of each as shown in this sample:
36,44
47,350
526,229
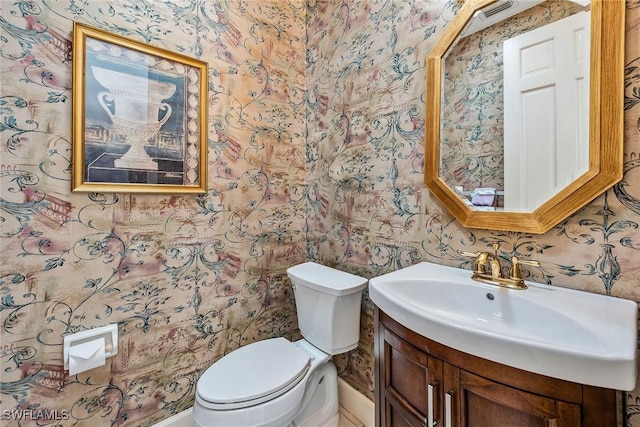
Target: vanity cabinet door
419,380
485,403
412,384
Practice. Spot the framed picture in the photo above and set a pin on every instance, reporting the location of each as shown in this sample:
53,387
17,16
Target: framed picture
139,116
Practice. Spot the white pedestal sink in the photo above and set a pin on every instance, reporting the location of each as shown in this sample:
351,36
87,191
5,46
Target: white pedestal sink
562,333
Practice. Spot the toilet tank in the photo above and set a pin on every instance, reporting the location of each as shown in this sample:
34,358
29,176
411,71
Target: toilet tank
328,306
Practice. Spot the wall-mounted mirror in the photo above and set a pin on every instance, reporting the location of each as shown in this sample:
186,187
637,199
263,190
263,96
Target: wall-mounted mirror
525,110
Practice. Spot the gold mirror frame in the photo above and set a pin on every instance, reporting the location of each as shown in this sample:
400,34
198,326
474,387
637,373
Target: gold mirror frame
605,129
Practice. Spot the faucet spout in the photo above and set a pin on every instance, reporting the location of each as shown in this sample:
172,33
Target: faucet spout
494,265
487,263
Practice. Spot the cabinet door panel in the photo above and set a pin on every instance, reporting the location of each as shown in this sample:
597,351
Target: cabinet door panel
409,373
486,403
398,416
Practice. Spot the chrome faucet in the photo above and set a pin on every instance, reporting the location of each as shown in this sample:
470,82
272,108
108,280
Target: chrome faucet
487,269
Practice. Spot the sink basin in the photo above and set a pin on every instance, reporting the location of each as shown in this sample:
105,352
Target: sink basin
562,333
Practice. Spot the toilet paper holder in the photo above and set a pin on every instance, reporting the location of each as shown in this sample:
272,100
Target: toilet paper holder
108,332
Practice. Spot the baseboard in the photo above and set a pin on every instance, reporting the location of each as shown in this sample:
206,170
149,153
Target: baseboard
181,419
350,399
356,403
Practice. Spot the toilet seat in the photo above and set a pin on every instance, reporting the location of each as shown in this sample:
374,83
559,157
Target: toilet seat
253,374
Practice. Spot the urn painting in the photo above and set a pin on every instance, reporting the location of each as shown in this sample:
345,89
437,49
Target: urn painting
140,117
133,103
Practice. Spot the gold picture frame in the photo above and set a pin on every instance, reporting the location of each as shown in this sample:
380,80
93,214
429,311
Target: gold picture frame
139,116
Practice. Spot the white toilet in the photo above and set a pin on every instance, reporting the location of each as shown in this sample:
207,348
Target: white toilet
279,383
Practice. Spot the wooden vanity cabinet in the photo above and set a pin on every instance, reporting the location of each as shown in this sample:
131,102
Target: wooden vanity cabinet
421,383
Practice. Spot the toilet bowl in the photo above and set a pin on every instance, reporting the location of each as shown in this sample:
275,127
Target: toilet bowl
279,383
251,400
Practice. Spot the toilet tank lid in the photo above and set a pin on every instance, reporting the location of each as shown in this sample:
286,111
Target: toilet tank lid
326,279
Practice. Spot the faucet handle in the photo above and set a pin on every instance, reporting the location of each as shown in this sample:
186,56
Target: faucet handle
479,261
514,271
469,254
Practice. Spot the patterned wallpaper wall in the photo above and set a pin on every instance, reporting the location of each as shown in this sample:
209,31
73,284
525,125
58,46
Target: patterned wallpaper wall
315,152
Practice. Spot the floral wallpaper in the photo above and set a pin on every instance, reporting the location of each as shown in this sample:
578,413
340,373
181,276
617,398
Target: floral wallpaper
315,136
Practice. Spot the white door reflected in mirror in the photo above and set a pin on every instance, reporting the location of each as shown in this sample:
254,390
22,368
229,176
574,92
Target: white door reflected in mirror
546,110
